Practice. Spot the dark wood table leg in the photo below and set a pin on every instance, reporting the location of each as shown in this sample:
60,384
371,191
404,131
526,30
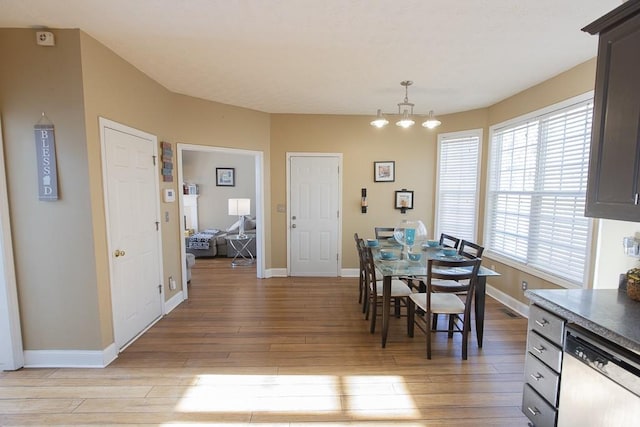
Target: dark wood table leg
481,290
386,307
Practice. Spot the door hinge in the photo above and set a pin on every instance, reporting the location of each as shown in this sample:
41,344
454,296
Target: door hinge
157,225
337,214
160,288
154,160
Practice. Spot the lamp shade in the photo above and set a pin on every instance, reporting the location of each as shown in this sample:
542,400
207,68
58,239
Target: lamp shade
239,206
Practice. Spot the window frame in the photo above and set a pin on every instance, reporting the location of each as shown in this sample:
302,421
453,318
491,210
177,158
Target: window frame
442,137
591,239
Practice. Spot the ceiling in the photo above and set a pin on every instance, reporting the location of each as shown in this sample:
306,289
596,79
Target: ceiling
333,56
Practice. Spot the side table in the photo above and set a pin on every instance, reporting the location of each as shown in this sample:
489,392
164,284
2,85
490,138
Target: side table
240,244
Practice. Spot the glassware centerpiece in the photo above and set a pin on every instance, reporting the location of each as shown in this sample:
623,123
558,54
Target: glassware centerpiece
411,234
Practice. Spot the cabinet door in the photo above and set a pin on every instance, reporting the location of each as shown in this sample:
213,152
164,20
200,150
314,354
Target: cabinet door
614,168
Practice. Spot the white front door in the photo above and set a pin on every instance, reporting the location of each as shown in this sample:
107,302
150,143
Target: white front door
314,215
133,228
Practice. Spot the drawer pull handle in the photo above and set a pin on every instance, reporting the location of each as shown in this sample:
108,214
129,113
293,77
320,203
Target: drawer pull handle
537,376
542,323
540,350
534,411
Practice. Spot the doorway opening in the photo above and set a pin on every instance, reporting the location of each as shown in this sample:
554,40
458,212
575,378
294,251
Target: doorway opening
242,182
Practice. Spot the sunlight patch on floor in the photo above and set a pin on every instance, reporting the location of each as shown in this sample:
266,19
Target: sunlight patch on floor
363,396
379,397
262,393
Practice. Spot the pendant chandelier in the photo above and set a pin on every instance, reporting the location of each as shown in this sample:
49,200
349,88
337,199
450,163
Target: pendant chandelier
405,111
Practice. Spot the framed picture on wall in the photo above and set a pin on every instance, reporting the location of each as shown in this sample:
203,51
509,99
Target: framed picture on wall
225,177
384,171
404,200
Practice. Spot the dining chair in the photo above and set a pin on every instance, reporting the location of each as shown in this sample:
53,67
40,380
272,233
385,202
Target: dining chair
444,300
470,250
361,278
449,241
467,250
400,291
383,232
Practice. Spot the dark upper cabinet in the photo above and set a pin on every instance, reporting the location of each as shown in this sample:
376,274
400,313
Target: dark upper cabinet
613,189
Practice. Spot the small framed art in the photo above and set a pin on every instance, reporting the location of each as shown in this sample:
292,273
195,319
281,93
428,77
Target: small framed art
404,200
384,171
225,177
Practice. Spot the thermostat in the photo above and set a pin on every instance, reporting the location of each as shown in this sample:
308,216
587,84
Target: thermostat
169,195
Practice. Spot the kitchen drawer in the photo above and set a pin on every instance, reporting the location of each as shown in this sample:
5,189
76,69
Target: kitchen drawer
537,409
543,379
544,350
546,324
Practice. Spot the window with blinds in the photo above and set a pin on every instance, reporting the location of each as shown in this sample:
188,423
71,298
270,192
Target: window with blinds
457,184
537,189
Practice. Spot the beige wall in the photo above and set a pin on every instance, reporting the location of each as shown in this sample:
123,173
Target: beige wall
53,241
413,150
116,90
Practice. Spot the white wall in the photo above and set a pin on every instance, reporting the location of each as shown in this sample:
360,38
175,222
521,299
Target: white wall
200,168
610,256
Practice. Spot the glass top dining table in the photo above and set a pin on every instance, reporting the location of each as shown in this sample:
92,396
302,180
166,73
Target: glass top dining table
400,266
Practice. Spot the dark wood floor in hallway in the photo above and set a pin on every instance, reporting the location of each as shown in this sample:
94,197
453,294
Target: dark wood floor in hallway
281,352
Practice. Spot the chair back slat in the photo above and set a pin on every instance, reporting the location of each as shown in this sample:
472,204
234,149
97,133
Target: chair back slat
470,250
383,232
465,272
449,241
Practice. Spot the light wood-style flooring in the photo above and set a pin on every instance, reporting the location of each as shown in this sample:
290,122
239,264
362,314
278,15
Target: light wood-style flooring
280,352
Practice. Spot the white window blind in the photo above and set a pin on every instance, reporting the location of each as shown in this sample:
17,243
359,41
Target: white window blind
457,188
536,193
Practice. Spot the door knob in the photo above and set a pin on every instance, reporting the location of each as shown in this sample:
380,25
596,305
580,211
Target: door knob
293,226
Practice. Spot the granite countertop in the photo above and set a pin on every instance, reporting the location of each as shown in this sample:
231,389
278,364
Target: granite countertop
606,312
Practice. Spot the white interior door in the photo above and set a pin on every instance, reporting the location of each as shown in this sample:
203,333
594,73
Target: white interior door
314,215
11,355
133,229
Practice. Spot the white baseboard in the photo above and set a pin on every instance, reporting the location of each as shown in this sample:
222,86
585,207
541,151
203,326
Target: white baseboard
350,272
282,272
173,302
70,358
275,272
519,307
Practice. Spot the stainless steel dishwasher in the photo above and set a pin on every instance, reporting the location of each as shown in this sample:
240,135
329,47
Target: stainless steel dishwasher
600,384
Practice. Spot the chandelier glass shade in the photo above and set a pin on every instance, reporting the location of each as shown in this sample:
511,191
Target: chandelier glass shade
431,121
379,121
405,111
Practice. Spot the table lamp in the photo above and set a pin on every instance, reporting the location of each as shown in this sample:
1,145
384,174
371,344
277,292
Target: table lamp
240,207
